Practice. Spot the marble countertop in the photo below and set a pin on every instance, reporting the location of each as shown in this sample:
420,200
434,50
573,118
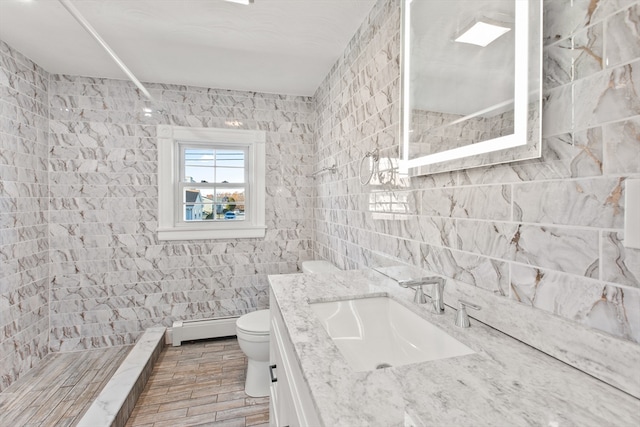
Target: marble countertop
504,383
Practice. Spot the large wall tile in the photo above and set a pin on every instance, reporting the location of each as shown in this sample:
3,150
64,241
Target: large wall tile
623,36
604,307
622,147
607,96
619,264
593,202
575,57
24,245
484,202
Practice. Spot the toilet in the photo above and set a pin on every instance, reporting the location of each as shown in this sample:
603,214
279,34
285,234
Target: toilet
252,330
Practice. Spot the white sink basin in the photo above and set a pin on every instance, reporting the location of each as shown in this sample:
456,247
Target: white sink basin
373,333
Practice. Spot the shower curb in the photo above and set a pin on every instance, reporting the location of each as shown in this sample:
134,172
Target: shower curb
116,401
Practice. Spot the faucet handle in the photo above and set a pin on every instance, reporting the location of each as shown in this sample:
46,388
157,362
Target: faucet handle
462,318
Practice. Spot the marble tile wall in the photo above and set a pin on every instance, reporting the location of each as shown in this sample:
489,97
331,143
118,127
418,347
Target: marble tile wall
81,264
24,245
543,234
110,276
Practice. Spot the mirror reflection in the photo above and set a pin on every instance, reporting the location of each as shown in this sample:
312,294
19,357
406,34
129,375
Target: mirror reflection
470,81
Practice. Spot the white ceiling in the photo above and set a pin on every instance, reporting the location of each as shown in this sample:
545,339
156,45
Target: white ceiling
274,46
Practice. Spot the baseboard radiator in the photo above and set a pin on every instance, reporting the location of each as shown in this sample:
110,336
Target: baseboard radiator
187,330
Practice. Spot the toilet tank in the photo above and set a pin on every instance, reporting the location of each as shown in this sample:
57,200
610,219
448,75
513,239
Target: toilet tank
318,267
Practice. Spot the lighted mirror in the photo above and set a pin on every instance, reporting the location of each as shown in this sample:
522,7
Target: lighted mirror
471,83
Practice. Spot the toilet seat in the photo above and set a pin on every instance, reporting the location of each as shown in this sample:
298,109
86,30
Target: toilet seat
254,323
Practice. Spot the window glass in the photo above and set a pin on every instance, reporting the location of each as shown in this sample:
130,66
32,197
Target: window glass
230,204
206,165
212,204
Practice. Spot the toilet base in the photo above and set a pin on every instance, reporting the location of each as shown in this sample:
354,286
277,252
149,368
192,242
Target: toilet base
258,379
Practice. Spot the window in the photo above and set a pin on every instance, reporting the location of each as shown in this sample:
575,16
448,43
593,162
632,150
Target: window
211,183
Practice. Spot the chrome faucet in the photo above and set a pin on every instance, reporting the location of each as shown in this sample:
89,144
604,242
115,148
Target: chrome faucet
437,297
462,318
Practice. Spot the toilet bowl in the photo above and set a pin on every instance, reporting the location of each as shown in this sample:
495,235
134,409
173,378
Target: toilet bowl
252,330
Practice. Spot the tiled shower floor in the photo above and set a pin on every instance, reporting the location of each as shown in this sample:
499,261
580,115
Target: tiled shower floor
60,389
199,383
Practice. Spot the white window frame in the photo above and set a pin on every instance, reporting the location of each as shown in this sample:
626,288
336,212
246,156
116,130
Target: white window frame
170,224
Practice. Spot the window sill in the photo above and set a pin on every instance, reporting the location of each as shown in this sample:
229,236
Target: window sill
245,232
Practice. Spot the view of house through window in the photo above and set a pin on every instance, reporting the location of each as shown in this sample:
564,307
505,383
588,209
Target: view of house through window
215,183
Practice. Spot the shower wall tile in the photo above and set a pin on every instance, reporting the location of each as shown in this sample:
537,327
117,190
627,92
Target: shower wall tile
623,36
542,234
585,202
485,202
575,57
564,18
110,276
557,111
479,271
493,239
619,264
592,303
622,148
607,96
24,244
567,250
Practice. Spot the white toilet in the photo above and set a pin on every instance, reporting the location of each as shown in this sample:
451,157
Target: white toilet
252,330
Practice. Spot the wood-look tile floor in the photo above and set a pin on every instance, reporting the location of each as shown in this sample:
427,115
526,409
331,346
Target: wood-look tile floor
60,389
199,384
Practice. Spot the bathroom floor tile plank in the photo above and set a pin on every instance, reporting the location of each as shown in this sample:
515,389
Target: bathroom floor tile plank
146,409
233,395
226,377
212,408
260,419
219,390
62,411
201,421
210,365
203,389
187,403
146,400
196,369
217,397
170,416
50,405
242,411
234,377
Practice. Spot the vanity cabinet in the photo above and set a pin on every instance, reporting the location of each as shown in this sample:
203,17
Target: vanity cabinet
290,403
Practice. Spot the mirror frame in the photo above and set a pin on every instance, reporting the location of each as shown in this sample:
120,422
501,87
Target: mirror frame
523,144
